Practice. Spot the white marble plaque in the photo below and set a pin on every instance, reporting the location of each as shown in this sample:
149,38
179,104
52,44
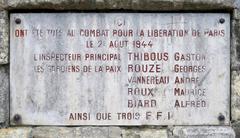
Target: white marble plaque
119,68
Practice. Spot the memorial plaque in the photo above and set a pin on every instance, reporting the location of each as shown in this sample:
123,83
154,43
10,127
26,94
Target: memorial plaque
119,68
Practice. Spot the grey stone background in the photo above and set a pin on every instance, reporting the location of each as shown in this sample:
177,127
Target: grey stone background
231,6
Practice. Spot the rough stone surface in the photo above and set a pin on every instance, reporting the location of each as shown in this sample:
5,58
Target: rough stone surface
144,133
236,127
203,132
74,132
235,106
82,132
15,132
235,43
4,94
61,132
235,66
117,132
4,45
120,4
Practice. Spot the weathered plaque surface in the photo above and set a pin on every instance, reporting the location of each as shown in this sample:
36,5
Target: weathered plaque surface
119,68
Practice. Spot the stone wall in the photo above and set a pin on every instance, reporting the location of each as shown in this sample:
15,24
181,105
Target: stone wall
231,6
